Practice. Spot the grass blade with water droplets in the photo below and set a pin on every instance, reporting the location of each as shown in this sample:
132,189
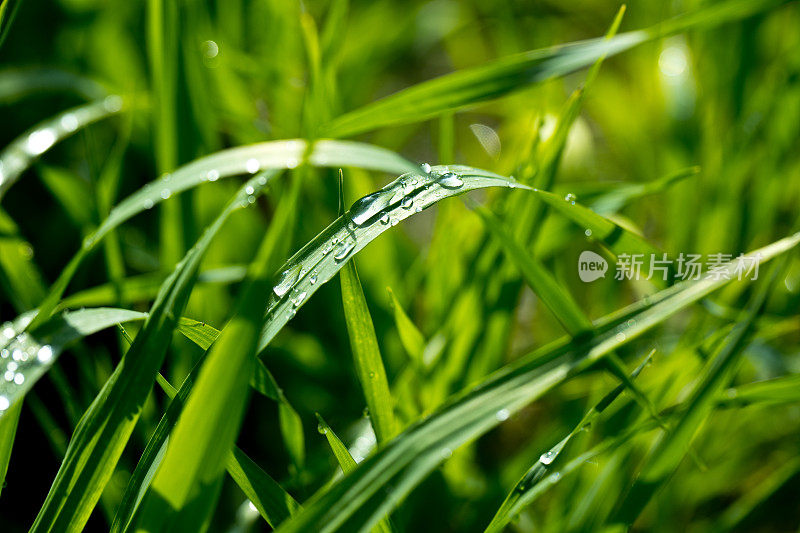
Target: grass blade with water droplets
359,500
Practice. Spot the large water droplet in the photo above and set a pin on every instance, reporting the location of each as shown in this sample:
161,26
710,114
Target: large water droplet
165,193
407,202
249,190
4,403
45,354
449,180
547,457
313,279
367,207
252,165
343,249
385,219
212,175
69,122
286,281
40,140
502,415
426,168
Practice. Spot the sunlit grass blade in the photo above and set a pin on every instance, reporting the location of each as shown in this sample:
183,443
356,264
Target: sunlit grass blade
319,260
521,494
671,448
366,355
25,149
359,500
503,76
104,429
411,337
30,357
234,161
780,390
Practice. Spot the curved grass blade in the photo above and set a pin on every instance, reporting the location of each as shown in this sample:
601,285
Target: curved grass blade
26,358
360,500
513,73
188,479
25,149
619,240
785,389
367,354
671,448
521,495
105,427
15,83
284,154
320,259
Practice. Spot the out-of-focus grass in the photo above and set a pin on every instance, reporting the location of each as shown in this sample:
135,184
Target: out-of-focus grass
683,139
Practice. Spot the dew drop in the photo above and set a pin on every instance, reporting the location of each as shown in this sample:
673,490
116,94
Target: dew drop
450,180
570,198
367,207
286,281
547,457
426,168
290,314
343,250
620,337
385,219
112,103
4,353
45,354
249,190
407,202
212,175
298,300
502,415
322,429
251,199
446,453
12,366
252,165
372,375
313,279
4,403
588,233
147,204
69,122
165,193
8,332
39,141
19,379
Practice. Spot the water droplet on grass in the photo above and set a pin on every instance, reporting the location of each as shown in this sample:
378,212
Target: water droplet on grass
570,198
407,202
385,219
212,175
4,403
286,281
165,193
425,167
502,415
343,250
450,180
252,165
69,122
39,141
547,457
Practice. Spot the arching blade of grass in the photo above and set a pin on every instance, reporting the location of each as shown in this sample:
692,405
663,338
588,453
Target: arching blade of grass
21,280
613,200
412,338
521,495
785,389
231,162
31,356
105,427
617,239
346,462
187,482
361,499
671,448
16,83
25,149
320,259
367,355
513,73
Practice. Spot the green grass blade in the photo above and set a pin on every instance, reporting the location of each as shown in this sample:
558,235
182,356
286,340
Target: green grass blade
8,430
555,297
343,457
8,9
367,355
359,500
671,448
102,433
412,338
513,73
17,83
234,161
526,488
25,149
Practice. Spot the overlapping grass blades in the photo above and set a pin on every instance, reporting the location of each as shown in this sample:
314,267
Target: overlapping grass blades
358,501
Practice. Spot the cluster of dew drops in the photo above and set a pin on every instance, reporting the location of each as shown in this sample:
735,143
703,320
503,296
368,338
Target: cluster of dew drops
20,354
362,213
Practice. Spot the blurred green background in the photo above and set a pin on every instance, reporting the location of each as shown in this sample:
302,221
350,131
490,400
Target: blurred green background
234,72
